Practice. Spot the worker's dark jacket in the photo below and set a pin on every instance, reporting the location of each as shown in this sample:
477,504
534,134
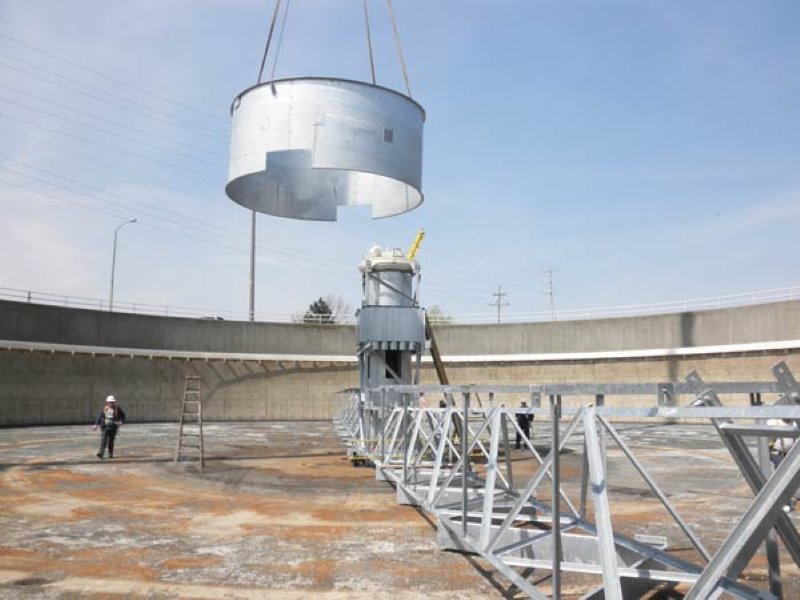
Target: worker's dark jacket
524,420
119,416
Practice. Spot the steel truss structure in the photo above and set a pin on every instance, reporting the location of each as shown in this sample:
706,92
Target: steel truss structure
467,481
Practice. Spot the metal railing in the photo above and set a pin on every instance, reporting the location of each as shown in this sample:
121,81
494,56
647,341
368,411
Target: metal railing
596,312
630,310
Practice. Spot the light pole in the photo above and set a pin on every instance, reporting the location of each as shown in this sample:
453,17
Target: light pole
114,262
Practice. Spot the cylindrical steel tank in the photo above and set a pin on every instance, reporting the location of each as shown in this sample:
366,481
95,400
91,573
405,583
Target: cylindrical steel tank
302,147
391,325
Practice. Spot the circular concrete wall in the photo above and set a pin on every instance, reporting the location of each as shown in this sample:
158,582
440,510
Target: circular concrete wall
57,363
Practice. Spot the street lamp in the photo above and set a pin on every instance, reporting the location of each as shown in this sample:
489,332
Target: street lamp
114,262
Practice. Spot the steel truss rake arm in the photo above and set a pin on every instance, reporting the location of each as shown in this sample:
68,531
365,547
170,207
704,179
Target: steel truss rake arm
751,529
393,425
747,465
427,440
533,483
430,440
349,416
434,439
412,439
507,453
361,445
477,442
787,384
655,489
505,479
605,531
539,459
515,578
491,476
444,439
432,423
756,480
462,460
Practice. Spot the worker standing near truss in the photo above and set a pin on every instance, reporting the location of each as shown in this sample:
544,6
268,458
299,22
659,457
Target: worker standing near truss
109,419
524,423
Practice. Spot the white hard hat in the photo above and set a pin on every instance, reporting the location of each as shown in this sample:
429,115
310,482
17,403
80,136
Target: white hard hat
111,399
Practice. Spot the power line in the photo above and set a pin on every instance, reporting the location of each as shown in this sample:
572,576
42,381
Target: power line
115,122
456,263
110,133
203,227
169,120
109,77
306,264
298,258
125,99
213,229
109,146
447,245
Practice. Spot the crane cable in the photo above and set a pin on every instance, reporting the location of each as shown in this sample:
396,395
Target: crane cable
269,39
369,42
274,20
280,40
399,49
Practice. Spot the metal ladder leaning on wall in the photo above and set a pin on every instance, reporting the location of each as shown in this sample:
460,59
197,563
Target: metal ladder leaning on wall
190,433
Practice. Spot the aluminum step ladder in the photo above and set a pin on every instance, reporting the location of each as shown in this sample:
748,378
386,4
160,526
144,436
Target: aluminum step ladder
190,433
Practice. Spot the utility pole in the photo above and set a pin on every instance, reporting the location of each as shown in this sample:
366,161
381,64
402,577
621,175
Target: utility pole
549,292
499,294
253,268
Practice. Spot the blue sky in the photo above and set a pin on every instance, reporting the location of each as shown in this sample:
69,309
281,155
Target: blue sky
647,151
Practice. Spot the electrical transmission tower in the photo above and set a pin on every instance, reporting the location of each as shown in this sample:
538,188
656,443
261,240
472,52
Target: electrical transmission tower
549,291
499,294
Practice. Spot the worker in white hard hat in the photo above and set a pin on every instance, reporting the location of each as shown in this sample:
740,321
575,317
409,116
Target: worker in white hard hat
110,419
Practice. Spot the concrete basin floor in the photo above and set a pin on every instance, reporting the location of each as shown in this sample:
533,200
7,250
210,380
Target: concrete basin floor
279,512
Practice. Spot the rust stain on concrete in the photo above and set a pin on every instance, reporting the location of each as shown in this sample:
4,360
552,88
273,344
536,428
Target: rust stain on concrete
275,512
280,512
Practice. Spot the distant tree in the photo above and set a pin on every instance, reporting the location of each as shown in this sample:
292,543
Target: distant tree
341,310
437,316
318,313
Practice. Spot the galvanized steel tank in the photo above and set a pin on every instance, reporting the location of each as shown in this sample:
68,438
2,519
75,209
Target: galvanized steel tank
301,147
391,324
